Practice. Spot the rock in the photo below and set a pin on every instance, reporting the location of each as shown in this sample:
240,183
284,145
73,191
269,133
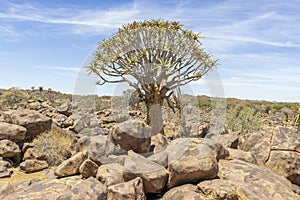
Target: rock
68,122
88,168
255,182
159,142
242,155
12,132
112,174
284,157
296,189
64,109
71,166
4,172
191,160
227,140
132,135
89,189
58,119
154,175
9,149
33,165
33,121
6,190
129,190
32,153
218,189
259,144
160,158
27,146
184,192
98,148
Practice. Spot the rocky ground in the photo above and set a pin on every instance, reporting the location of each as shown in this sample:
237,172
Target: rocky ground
115,155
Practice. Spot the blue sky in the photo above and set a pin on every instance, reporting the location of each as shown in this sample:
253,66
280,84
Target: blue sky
257,43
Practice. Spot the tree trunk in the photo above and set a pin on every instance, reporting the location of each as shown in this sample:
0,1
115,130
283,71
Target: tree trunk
298,131
154,104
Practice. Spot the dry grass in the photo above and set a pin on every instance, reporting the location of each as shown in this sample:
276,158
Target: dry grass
55,146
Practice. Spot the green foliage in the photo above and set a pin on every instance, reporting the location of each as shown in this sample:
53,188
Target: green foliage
242,119
56,146
12,97
297,118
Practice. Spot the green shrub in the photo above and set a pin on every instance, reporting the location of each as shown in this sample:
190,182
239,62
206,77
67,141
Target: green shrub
55,146
12,97
242,120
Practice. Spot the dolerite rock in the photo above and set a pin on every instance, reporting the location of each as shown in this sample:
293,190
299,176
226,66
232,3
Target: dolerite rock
88,168
242,155
4,172
184,192
254,182
159,142
58,119
112,174
12,132
192,160
160,158
9,149
64,109
32,153
98,148
284,157
33,165
218,189
71,166
132,135
88,189
33,121
129,190
154,175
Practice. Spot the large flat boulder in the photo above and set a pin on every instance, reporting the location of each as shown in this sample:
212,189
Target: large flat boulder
253,182
192,160
33,165
12,132
33,121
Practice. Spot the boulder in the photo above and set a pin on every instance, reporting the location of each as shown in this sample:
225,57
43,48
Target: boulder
192,160
158,143
112,174
88,168
9,149
184,192
12,132
65,109
4,172
33,121
32,153
98,148
68,122
242,155
88,189
160,158
132,135
6,190
218,189
58,119
284,157
71,166
255,182
229,140
33,165
129,190
154,175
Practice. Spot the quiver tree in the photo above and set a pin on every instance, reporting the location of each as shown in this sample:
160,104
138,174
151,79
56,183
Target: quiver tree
154,57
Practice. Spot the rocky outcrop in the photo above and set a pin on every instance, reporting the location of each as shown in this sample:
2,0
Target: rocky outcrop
254,182
129,190
12,132
71,166
33,121
132,135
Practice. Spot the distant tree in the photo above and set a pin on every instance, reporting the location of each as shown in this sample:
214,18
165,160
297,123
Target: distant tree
40,88
32,88
154,57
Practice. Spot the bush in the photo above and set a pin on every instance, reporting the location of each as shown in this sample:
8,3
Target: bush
55,146
12,97
242,120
